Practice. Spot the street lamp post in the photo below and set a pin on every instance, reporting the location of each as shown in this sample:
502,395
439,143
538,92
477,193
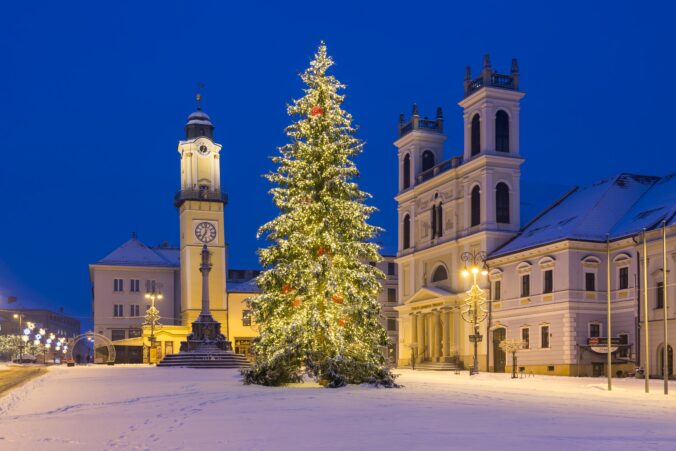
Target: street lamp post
19,316
474,310
152,320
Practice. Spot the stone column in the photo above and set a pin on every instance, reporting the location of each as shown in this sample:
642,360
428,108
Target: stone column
433,336
437,335
446,334
421,336
414,330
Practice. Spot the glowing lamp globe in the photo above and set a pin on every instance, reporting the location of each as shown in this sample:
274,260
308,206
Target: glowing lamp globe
465,273
475,270
26,331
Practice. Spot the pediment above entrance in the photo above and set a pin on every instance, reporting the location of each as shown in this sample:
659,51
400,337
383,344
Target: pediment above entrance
427,294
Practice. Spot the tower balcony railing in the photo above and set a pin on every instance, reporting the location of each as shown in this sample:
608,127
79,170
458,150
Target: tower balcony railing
494,80
438,169
199,194
416,123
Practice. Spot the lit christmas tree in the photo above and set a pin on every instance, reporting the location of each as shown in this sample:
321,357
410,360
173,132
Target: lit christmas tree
318,311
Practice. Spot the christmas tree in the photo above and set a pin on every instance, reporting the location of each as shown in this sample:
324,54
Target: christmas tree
318,309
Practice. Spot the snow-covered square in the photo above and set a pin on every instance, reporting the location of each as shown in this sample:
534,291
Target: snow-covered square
138,407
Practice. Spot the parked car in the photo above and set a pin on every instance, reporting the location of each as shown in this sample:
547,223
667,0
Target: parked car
26,358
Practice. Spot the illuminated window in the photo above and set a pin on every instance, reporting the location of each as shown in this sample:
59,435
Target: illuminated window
246,317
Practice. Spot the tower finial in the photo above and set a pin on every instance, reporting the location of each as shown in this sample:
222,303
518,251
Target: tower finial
198,97
415,109
487,61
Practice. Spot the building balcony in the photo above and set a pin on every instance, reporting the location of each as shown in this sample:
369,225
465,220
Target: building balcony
201,195
444,166
493,80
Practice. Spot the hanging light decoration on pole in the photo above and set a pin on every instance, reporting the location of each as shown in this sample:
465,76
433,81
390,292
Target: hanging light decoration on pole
474,310
152,319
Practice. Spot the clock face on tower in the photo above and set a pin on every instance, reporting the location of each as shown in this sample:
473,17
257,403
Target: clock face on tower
203,150
205,232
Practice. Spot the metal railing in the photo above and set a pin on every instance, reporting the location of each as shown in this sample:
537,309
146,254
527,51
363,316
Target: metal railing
438,169
198,194
494,80
416,123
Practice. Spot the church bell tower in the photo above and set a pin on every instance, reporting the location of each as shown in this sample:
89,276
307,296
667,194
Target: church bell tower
200,203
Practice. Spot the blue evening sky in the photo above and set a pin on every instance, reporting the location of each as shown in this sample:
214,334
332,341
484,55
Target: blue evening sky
94,96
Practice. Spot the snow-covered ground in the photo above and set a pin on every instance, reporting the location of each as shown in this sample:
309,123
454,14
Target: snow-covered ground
127,407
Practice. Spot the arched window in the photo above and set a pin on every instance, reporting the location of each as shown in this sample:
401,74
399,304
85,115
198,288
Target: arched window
502,132
502,203
407,232
434,221
407,171
427,160
440,221
439,274
475,206
475,135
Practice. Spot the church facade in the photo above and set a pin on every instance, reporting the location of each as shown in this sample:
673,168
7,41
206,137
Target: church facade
547,281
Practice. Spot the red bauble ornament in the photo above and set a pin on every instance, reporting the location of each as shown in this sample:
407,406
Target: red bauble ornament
341,322
337,298
317,111
296,302
286,288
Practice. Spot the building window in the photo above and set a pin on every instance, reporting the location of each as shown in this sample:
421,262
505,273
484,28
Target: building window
391,295
544,337
502,132
440,220
434,221
525,285
659,291
151,286
134,285
391,324
118,285
549,281
134,311
439,274
475,135
525,337
590,281
133,333
502,203
497,285
391,268
624,278
117,334
475,206
594,330
407,231
246,317
118,310
624,348
407,171
427,160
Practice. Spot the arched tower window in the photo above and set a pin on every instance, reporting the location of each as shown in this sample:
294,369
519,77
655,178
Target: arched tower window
427,160
502,203
407,231
475,214
440,274
502,132
475,135
440,221
407,171
433,221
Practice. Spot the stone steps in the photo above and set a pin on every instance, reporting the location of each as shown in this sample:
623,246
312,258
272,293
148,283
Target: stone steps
205,359
438,366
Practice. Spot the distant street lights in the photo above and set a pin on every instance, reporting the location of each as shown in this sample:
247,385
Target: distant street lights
474,310
19,316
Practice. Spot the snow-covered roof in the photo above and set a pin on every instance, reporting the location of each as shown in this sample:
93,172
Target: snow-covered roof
135,253
619,206
243,287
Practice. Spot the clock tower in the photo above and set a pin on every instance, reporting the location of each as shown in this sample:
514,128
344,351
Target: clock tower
200,203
